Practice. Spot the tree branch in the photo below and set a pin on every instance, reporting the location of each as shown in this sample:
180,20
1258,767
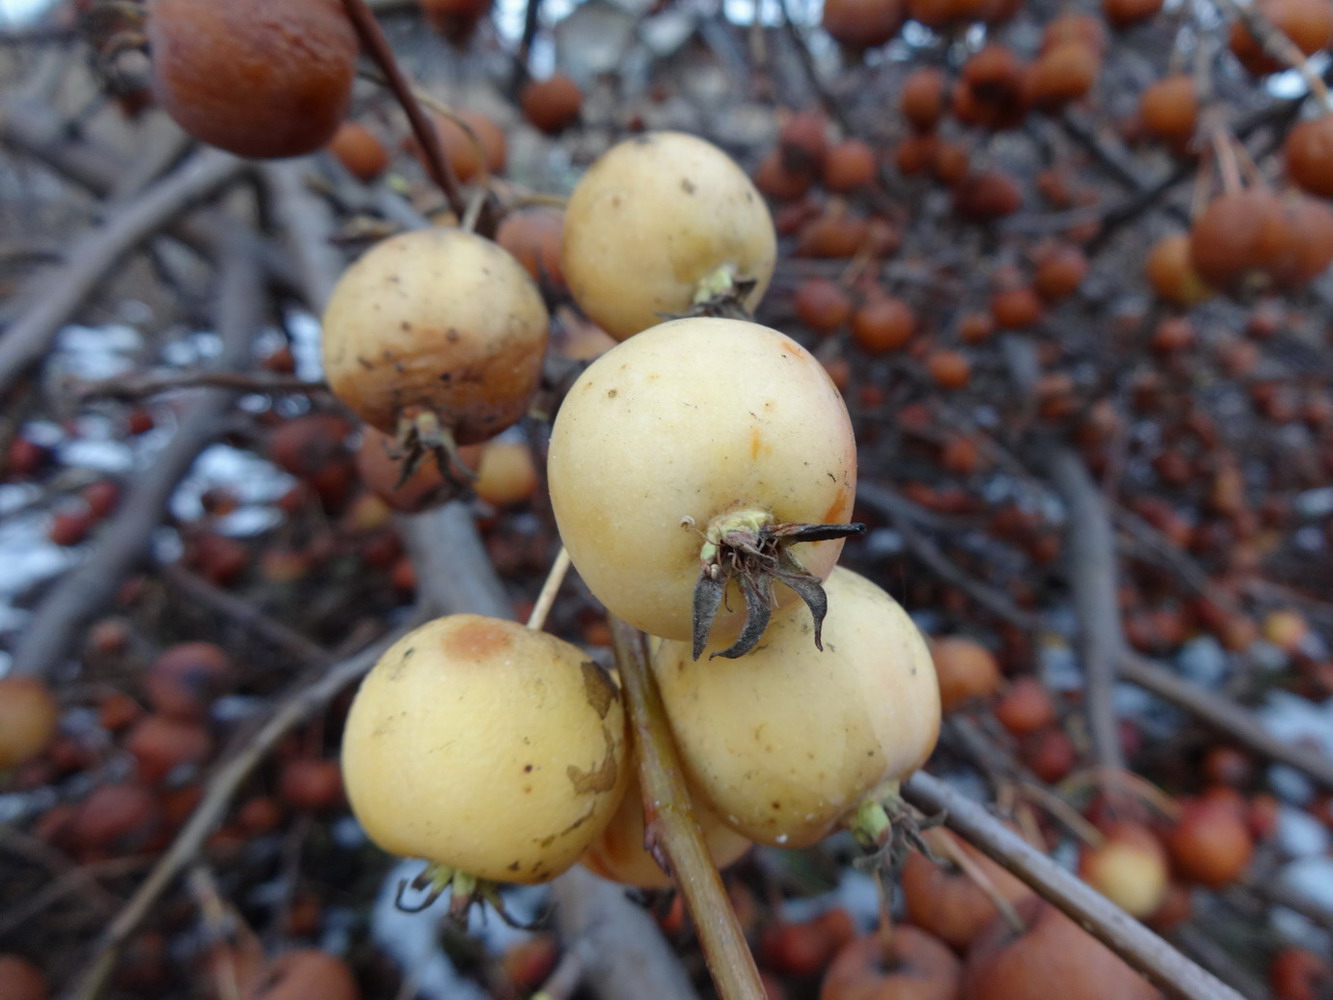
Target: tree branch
83,592
1140,947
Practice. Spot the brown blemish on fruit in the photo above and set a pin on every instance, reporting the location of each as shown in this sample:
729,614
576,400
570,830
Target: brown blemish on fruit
600,693
603,778
837,510
477,641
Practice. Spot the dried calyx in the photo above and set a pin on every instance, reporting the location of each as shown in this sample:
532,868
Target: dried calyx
752,549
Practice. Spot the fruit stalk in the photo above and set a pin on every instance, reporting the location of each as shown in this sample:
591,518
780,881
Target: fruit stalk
673,826
437,164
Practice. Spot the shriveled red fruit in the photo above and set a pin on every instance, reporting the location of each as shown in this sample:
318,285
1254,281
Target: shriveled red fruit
70,527
305,974
862,24
1016,308
308,446
921,968
1083,28
1049,753
838,231
1170,271
1063,73
359,150
1309,152
884,323
1169,108
101,498
436,323
1210,843
781,183
553,104
987,196
805,948
21,980
1025,707
161,744
966,669
922,97
949,369
946,902
803,143
1298,974
1129,868
185,678
849,165
822,305
29,713
1124,13
115,817
1307,23
1237,238
1060,272
1003,965
314,784
260,78
533,236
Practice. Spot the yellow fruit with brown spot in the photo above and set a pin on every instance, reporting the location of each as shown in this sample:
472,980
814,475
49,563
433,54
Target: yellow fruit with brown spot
486,747
438,321
787,740
652,220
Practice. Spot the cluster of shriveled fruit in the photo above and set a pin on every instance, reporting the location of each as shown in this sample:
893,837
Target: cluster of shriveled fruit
700,472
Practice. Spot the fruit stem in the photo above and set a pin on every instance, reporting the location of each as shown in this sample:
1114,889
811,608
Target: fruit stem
537,620
678,836
437,164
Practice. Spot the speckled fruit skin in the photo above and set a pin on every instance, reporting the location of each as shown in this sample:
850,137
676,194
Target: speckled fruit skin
652,217
694,418
438,320
786,740
259,78
486,747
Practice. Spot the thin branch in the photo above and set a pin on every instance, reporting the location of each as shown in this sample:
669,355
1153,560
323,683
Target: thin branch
54,297
83,592
1141,948
675,830
1092,565
900,511
437,164
140,386
1226,716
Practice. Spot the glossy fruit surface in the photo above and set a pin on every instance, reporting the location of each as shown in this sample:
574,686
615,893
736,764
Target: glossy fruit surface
694,419
785,740
651,220
487,747
439,321
261,78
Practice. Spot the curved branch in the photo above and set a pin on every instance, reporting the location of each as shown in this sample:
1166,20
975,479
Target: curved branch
1140,947
55,297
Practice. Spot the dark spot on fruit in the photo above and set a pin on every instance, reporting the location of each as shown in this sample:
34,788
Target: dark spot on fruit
404,326
477,640
513,866
527,768
601,694
447,376
364,363
610,393
601,779
687,185
775,805
451,335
